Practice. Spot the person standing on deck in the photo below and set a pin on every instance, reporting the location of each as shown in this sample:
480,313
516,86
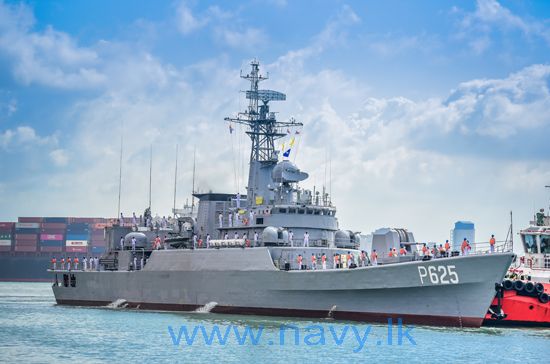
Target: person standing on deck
463,246
121,220
121,243
324,261
374,257
54,263
75,263
134,220
207,241
96,263
133,243
306,239
85,263
68,263
492,242
313,261
255,238
62,263
447,248
334,261
291,237
230,219
299,261
220,220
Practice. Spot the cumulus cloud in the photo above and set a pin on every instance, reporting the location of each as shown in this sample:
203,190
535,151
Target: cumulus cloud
476,27
49,57
23,136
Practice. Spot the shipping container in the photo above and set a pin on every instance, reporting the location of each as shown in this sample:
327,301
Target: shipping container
25,243
82,220
4,248
53,232
77,237
27,225
25,248
98,243
51,243
30,219
62,220
73,243
98,250
5,226
26,237
51,236
76,249
6,235
56,225
6,242
51,249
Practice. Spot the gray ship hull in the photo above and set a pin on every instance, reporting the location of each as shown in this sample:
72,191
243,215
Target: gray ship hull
245,281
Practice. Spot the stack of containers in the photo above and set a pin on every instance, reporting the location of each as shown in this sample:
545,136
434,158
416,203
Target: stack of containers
26,234
78,236
6,236
97,238
52,234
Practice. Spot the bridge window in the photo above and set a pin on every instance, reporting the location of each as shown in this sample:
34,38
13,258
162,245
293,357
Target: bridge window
282,211
291,211
530,242
301,211
259,221
545,244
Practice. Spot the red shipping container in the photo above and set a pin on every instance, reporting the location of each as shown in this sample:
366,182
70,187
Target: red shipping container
89,220
25,243
51,236
51,249
53,231
54,225
29,219
29,237
25,248
4,248
7,225
76,249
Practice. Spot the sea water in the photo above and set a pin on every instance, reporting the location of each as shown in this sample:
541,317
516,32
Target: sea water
33,329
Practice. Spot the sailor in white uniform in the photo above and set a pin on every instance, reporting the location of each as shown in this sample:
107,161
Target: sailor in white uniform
306,239
133,243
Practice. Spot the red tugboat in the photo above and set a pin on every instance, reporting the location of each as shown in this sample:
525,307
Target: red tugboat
523,297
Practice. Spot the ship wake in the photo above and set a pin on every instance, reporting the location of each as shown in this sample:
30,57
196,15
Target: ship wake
119,303
206,308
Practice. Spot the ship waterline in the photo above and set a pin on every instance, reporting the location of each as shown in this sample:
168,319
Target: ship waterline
245,281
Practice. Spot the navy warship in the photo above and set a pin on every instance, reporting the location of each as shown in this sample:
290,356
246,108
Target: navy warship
278,250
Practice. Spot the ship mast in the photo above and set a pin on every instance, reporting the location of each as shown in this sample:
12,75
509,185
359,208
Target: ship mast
263,128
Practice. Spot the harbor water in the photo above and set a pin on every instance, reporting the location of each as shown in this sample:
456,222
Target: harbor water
33,329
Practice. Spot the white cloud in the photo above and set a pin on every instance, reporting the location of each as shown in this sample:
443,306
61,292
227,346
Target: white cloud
247,39
49,57
24,136
489,15
186,21
334,32
59,157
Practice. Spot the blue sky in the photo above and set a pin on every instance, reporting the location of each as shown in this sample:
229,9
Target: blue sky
432,111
